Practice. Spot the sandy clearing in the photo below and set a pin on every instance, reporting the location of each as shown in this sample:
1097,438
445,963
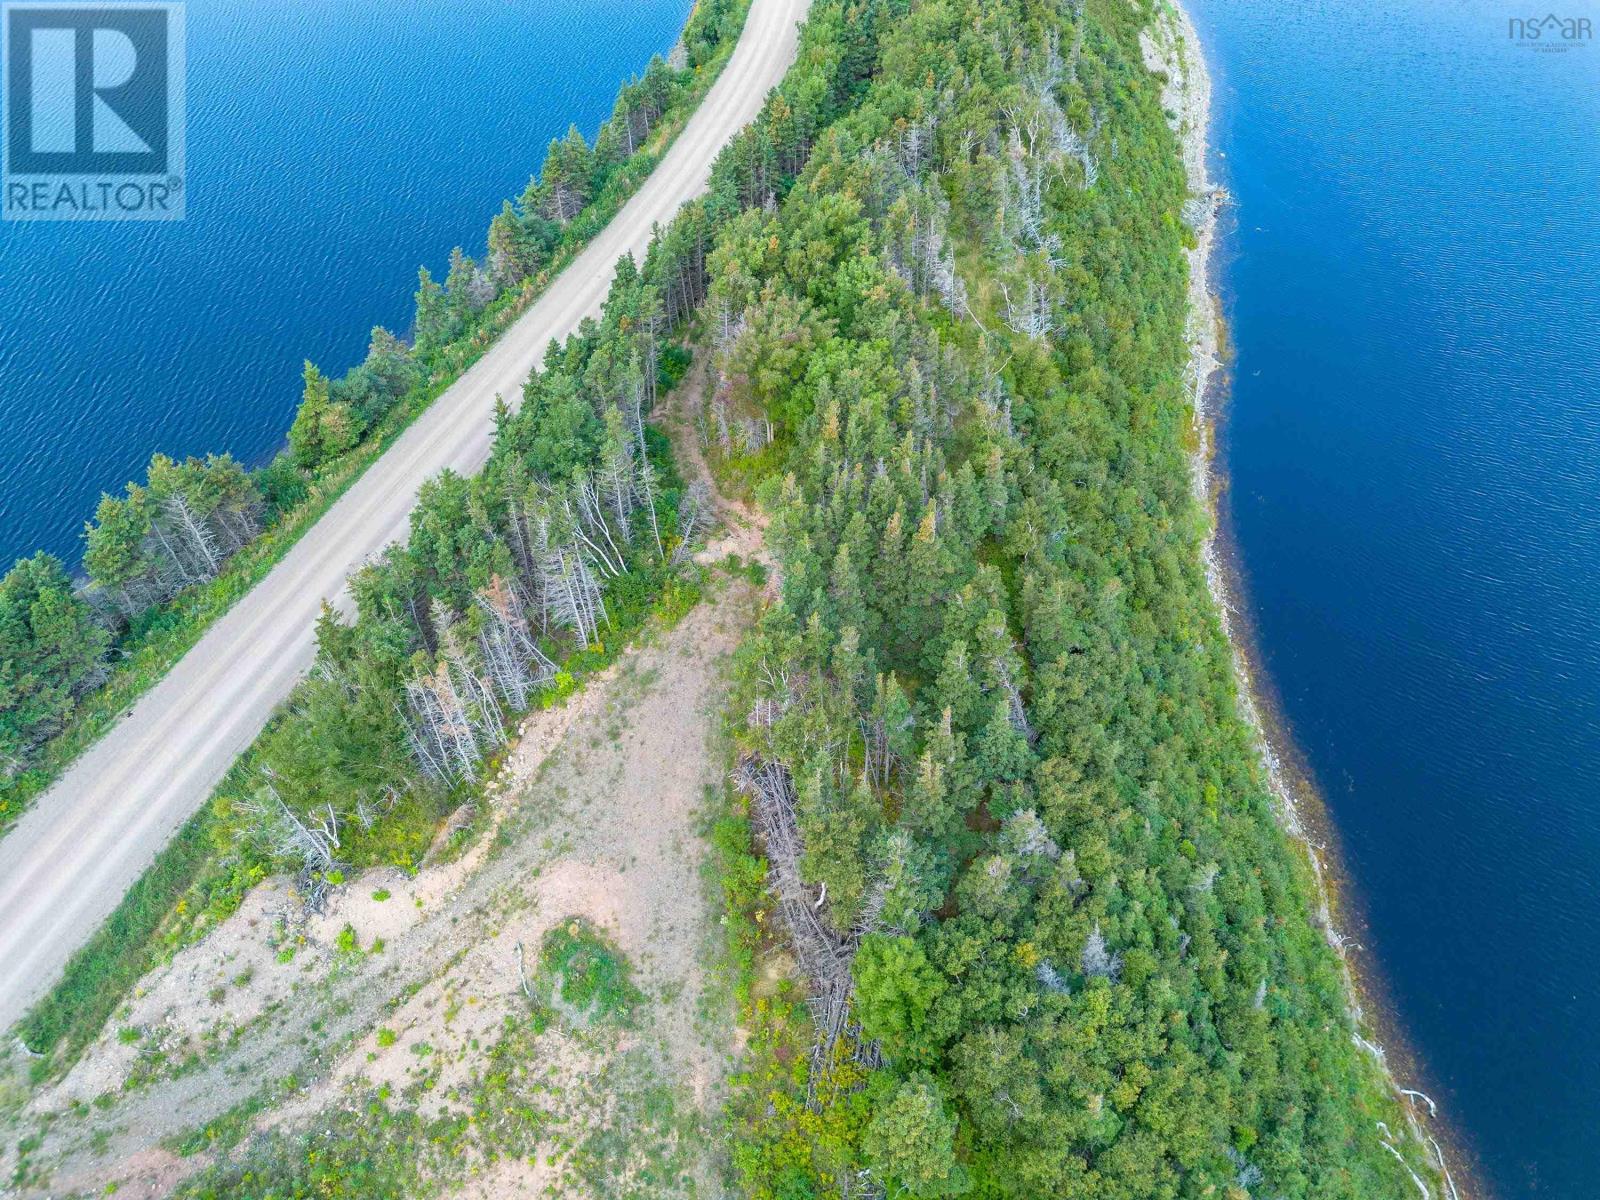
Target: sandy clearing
595,813
743,527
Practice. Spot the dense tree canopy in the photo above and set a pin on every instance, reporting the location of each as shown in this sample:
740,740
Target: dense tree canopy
571,528
175,530
1087,960
50,654
942,281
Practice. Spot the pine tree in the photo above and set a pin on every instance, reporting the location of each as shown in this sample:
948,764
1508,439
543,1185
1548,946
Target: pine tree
910,1143
51,653
513,256
566,179
322,429
436,320
115,555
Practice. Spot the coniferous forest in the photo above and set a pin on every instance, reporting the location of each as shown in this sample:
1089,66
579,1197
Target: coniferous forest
1056,942
991,793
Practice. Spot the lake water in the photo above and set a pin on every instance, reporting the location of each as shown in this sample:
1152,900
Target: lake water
333,147
1413,444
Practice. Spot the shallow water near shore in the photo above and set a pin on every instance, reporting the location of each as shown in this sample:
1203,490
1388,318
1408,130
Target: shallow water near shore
1412,275
333,147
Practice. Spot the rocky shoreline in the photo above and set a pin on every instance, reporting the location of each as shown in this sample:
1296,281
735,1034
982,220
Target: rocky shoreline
1173,48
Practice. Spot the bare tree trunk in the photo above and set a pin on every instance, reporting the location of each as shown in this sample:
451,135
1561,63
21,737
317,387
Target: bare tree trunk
196,534
511,656
312,839
824,955
694,518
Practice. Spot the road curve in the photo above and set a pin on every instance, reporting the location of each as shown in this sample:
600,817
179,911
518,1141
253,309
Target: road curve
68,862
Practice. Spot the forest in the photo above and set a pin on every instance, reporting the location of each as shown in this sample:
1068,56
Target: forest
993,796
1022,848
509,586
152,552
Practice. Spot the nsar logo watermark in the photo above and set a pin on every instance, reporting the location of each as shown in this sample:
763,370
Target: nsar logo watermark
1550,34
92,109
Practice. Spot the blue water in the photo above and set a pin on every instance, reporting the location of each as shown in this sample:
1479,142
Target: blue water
1413,443
333,147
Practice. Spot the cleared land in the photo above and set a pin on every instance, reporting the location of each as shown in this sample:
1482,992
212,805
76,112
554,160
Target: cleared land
595,816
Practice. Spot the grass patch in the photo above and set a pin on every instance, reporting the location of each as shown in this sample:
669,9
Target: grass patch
627,1132
227,1130
584,976
374,1152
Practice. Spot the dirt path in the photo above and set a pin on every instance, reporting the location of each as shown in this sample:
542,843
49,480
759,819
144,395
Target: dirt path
594,814
743,526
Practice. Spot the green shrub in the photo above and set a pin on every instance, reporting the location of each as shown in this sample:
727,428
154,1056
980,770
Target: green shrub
583,975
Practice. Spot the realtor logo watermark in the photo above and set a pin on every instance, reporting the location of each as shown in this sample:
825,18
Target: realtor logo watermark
1550,34
92,110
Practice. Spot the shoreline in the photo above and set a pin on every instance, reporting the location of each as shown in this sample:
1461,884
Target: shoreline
1187,93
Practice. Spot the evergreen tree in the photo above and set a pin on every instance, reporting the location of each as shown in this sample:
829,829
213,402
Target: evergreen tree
51,653
322,429
436,320
910,1143
115,554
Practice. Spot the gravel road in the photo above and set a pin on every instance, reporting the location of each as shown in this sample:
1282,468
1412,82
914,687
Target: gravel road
68,862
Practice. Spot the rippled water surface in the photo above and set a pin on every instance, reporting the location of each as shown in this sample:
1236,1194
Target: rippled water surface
1414,450
333,147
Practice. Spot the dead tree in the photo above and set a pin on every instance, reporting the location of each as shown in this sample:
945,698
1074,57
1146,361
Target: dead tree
1071,144
1032,314
529,524
454,712
694,518
441,731
647,487
914,145
572,593
584,508
1026,837
483,706
943,278
824,955
633,413
1098,960
618,479
1016,712
311,840
1026,178
511,657
183,572
195,534
235,525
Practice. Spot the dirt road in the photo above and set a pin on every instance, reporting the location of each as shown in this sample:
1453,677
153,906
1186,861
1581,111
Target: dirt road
71,858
